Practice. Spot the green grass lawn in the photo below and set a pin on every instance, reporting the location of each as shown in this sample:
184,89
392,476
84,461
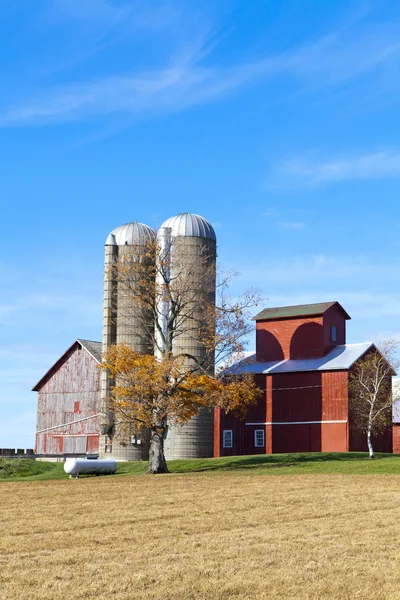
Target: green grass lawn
278,464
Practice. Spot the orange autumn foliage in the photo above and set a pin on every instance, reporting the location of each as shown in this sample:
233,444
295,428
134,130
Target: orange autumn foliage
149,391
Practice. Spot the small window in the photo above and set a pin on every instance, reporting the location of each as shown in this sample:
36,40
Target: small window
259,436
333,333
227,438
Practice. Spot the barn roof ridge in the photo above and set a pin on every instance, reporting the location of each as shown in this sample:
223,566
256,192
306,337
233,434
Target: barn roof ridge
298,310
94,348
83,343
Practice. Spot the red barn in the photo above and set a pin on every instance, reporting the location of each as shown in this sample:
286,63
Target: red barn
302,364
69,403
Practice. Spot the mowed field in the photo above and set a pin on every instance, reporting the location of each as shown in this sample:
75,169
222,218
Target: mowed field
195,536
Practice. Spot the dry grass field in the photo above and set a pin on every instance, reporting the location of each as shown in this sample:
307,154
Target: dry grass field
183,537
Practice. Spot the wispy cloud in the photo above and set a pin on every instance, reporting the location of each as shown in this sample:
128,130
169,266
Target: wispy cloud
346,54
291,224
94,27
364,286
185,80
270,212
49,305
172,89
106,16
283,217
306,172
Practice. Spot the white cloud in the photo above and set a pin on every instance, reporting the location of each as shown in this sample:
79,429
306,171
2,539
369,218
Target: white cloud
53,303
270,212
366,288
183,81
168,90
106,16
303,172
291,225
346,54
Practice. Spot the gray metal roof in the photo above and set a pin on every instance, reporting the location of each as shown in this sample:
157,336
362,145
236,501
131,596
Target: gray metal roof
300,310
94,348
132,234
340,358
190,225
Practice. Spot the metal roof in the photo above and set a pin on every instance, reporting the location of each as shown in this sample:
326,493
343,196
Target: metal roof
299,310
340,358
131,234
93,348
190,225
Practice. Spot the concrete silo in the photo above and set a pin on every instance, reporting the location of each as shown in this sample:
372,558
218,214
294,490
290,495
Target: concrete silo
192,243
121,324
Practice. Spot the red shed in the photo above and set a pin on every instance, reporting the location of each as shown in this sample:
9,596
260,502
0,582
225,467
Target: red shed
69,403
302,364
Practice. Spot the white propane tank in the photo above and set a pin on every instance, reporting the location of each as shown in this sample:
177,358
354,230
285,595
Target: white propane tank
75,466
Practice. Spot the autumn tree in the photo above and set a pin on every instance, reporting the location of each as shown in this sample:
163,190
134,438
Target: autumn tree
370,390
193,325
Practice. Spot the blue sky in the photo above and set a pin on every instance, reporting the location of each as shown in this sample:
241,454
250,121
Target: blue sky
276,120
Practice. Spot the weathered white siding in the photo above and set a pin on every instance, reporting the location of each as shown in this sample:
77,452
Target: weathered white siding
71,392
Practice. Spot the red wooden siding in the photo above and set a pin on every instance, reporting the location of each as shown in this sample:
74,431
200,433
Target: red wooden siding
59,444
72,392
334,316
217,432
92,444
382,441
396,439
300,411
296,338
289,338
293,411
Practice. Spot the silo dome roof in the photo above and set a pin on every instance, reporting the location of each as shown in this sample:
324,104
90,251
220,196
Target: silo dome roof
132,234
190,225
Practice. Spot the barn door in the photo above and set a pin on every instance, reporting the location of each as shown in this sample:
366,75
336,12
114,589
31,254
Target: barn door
92,444
75,444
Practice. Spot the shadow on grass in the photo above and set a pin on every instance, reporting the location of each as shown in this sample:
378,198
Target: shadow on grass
271,461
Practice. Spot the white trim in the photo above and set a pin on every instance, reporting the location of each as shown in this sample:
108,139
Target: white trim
65,424
295,422
255,438
224,445
76,434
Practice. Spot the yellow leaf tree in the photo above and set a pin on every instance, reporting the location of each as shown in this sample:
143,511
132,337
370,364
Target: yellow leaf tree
176,299
149,393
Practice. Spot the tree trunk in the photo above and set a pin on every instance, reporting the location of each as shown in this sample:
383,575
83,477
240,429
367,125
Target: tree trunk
370,448
157,462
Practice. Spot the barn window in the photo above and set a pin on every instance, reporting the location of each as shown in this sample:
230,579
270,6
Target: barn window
227,438
259,436
333,333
